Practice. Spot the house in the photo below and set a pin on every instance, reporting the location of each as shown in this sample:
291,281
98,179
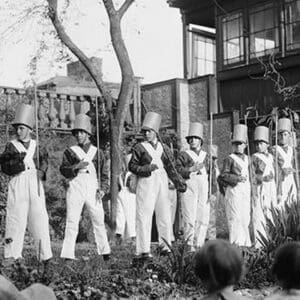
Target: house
247,33
80,84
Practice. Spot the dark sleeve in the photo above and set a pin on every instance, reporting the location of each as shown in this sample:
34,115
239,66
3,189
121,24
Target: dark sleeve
258,167
169,165
12,161
137,165
104,173
43,162
226,176
279,175
68,163
183,164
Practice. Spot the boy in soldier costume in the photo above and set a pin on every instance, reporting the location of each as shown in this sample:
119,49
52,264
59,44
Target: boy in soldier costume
263,187
193,165
27,165
80,165
286,188
234,181
151,162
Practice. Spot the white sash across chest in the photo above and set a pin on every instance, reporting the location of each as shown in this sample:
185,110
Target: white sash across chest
268,160
87,157
287,156
198,158
155,153
28,159
242,163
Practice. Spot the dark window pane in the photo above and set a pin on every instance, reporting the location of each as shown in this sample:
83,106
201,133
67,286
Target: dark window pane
263,30
233,38
292,24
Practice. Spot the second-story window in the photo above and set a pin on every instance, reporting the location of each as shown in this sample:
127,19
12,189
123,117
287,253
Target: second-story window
292,24
263,30
233,42
204,57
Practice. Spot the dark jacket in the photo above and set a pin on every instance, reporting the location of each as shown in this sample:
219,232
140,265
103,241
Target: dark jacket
12,160
140,163
230,174
70,160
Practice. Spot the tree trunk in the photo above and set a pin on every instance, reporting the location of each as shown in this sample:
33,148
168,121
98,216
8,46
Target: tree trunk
115,164
127,83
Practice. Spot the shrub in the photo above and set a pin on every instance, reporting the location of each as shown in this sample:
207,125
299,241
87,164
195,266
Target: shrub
257,263
178,265
284,226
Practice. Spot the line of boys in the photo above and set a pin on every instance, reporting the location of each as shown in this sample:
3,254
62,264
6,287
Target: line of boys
153,164
251,185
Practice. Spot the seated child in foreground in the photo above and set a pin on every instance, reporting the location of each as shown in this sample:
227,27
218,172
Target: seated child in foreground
219,265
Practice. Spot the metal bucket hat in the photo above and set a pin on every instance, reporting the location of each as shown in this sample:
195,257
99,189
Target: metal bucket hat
240,132
261,133
24,115
152,121
82,122
284,124
195,129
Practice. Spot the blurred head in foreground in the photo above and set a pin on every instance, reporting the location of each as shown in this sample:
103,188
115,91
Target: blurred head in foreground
286,266
218,264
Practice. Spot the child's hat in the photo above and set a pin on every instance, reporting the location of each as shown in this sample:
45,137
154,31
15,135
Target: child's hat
152,121
24,115
195,129
240,133
261,133
82,122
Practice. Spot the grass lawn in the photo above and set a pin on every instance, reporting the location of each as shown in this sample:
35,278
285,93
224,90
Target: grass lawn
90,277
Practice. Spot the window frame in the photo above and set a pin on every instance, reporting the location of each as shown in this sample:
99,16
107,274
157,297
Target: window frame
242,37
276,27
194,59
285,25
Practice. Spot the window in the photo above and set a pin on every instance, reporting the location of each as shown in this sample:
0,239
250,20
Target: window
264,32
292,24
233,44
204,57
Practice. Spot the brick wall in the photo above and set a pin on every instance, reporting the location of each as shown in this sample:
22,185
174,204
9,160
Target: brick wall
161,98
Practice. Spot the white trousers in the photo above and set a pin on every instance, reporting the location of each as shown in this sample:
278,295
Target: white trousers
237,207
195,210
152,195
265,198
126,213
25,205
82,191
289,190
172,193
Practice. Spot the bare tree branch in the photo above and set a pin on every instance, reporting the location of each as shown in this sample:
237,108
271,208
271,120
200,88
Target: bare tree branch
64,37
124,7
270,72
123,59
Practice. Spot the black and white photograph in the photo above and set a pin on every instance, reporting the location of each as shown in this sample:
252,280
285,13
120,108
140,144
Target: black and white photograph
149,149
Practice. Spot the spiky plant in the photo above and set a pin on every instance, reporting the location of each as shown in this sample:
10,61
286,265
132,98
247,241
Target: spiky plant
283,226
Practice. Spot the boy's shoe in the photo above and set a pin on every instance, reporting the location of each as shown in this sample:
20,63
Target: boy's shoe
106,257
140,259
119,239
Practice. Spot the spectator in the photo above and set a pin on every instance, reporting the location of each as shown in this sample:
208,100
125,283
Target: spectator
286,269
219,265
